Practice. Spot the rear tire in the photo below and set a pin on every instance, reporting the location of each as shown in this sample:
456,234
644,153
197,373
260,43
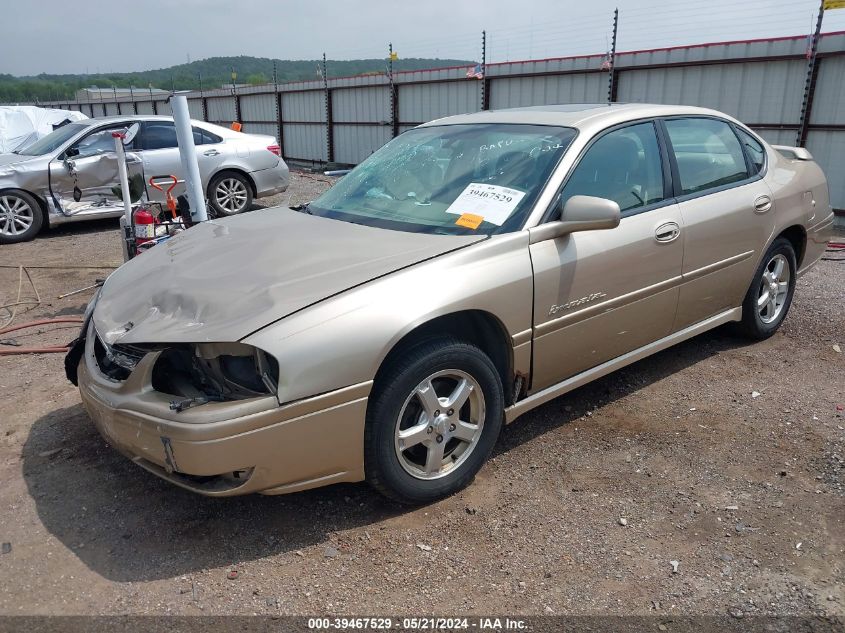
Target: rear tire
768,299
21,217
230,193
432,421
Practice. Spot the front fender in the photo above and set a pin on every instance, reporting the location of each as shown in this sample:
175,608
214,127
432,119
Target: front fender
344,339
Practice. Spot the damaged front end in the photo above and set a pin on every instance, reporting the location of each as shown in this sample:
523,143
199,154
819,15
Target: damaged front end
192,374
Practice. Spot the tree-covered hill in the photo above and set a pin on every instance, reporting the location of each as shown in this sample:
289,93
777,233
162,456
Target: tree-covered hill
214,72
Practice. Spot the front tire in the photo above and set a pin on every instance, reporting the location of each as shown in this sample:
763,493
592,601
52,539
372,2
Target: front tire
432,421
230,193
20,217
770,295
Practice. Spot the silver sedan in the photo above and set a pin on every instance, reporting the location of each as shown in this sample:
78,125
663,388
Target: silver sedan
71,174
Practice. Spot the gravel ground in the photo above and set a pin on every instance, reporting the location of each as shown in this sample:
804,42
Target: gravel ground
582,509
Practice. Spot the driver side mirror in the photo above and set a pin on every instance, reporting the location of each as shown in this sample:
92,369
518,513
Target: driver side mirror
70,152
580,213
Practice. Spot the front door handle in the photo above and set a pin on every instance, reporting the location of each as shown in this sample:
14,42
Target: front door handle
667,232
762,204
211,152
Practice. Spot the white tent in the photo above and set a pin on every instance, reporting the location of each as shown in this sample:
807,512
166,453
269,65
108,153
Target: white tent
21,125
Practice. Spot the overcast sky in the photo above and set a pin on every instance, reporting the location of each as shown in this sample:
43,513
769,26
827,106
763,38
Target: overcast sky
58,36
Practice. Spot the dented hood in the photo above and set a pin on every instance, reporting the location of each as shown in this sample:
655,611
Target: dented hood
224,279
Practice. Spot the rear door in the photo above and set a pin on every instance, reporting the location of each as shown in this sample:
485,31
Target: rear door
727,211
600,294
87,182
160,153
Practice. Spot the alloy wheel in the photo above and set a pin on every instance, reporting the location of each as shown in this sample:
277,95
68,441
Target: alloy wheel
16,215
774,289
440,424
231,195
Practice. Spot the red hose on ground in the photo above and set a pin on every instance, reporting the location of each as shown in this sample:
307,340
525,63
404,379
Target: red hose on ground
37,350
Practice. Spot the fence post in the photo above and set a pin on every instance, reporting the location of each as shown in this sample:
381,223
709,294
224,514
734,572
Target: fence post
278,108
203,104
611,79
810,82
393,93
329,123
394,109
485,83
281,123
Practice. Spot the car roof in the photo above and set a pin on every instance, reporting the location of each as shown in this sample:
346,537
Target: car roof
216,129
124,117
578,115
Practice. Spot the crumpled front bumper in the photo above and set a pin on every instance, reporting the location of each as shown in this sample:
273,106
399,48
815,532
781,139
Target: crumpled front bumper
228,448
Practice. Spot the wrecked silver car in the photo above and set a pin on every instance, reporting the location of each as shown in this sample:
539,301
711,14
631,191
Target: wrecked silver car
71,174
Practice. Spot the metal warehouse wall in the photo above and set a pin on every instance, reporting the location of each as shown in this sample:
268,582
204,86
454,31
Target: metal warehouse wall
761,82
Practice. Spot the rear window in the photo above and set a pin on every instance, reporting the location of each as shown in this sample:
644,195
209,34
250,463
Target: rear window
754,149
708,153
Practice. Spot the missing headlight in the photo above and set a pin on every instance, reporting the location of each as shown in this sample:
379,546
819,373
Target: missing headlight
220,371
117,361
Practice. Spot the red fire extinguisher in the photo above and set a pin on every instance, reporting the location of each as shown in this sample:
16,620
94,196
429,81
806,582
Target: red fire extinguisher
144,226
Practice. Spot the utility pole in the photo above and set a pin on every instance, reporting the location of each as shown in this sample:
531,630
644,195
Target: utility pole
810,82
611,80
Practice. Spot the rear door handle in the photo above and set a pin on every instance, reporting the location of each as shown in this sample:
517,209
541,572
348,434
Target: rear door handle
762,204
667,232
211,152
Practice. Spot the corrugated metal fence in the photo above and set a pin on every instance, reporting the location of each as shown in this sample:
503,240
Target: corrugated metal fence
761,82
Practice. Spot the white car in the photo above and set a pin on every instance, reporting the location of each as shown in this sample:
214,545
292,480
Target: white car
71,174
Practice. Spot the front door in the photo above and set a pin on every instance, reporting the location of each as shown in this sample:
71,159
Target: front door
600,294
86,182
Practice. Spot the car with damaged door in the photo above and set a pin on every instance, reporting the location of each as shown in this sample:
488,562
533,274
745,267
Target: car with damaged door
71,174
471,269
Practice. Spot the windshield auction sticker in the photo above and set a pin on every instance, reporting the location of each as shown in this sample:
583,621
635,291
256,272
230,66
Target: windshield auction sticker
492,202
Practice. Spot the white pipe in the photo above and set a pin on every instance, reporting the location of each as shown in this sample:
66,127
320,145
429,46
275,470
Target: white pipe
124,176
188,154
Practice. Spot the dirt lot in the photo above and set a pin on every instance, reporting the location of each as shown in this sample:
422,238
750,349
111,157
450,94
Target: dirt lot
722,456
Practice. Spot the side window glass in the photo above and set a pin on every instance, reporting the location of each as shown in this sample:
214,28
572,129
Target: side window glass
754,149
159,135
708,153
98,142
200,137
623,166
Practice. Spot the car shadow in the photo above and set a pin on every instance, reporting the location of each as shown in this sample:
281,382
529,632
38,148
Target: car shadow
127,525
617,385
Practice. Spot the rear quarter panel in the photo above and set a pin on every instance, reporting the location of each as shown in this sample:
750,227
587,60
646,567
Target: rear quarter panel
801,198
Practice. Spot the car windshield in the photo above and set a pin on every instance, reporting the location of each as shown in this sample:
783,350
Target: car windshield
453,179
53,141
